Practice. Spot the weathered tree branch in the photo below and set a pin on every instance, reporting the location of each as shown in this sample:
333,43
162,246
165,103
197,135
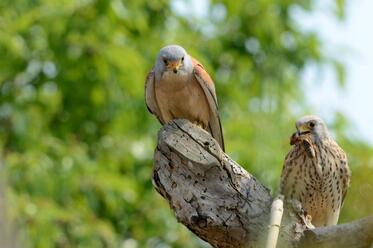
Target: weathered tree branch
224,204
357,234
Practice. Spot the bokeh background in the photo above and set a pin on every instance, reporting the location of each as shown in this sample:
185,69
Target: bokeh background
77,141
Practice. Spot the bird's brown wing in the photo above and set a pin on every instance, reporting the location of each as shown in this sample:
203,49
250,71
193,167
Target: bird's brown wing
208,87
150,97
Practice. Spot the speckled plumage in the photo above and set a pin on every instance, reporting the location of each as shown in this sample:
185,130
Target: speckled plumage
316,172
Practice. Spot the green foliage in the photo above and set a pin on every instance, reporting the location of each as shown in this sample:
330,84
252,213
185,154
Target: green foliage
77,141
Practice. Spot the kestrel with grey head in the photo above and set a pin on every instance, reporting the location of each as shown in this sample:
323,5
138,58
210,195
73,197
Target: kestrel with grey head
316,172
178,86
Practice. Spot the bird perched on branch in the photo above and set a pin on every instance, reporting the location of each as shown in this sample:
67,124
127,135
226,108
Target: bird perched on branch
179,87
316,172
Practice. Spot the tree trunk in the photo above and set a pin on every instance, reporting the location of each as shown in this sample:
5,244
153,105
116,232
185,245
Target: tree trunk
225,205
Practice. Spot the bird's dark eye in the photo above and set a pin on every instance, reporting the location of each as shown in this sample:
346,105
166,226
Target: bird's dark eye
165,61
312,124
182,59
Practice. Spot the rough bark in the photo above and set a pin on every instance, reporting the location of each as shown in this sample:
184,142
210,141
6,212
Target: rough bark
357,234
225,205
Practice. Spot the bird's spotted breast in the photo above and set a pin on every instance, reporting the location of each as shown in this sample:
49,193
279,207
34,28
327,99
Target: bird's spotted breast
319,182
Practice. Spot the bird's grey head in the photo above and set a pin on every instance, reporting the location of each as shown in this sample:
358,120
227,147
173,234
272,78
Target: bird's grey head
314,125
173,59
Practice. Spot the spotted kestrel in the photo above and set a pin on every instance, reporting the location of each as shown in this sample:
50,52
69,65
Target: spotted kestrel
179,87
316,172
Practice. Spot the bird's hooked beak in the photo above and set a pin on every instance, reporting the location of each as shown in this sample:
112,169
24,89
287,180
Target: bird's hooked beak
303,129
174,65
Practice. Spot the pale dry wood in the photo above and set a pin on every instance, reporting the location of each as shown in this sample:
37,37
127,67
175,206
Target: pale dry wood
277,210
225,205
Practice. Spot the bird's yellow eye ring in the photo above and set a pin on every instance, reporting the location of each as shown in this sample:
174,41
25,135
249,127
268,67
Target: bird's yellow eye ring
312,124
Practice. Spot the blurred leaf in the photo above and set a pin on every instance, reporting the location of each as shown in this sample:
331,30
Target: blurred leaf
340,72
340,9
